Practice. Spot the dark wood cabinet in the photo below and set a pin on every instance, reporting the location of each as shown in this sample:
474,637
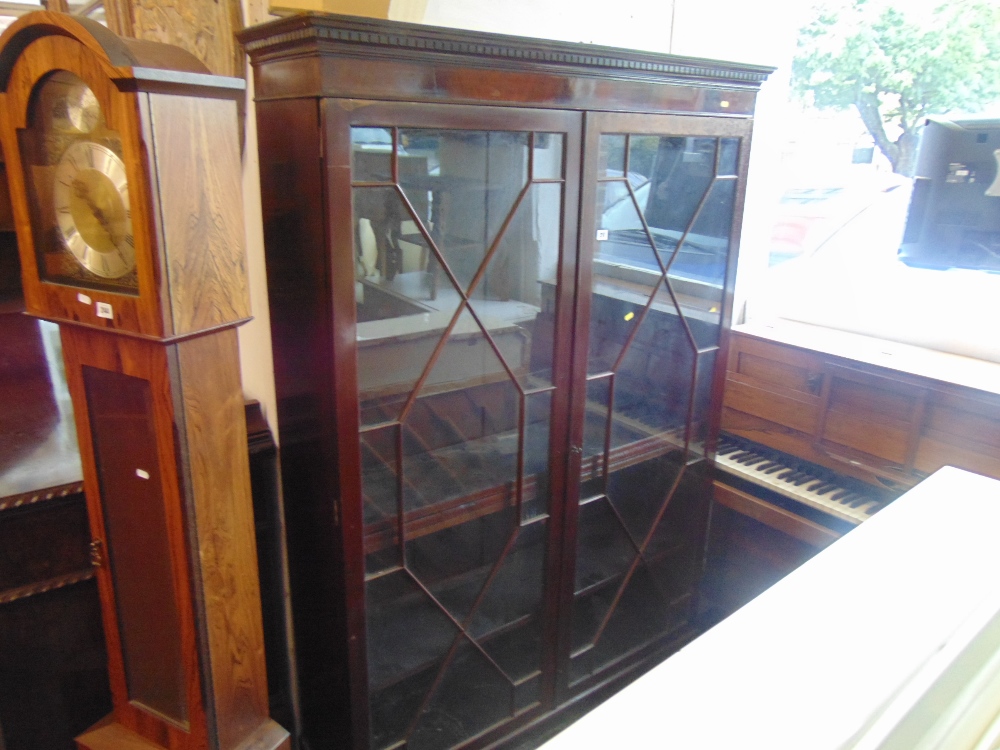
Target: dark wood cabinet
500,275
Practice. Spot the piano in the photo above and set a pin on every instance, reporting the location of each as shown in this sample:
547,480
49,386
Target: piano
775,476
821,429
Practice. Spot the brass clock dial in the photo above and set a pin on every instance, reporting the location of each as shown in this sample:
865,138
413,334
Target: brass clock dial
90,198
77,110
79,185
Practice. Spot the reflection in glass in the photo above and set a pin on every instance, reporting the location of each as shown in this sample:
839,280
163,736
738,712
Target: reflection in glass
659,273
705,251
371,154
456,267
611,154
547,156
729,152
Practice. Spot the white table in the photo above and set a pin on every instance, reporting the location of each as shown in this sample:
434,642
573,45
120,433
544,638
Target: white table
864,646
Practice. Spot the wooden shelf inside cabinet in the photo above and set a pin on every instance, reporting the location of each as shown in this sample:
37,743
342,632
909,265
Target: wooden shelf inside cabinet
458,483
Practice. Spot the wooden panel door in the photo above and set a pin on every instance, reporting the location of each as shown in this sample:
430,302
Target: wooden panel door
458,265
661,210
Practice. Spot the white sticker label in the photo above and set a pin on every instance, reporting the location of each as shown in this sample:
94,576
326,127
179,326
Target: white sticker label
142,473
81,297
602,234
104,311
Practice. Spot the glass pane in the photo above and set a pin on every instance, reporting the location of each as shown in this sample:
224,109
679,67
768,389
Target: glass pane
406,629
371,154
684,169
639,493
528,694
642,155
595,426
703,253
658,281
548,156
653,382
457,563
611,156
538,423
393,708
700,308
512,599
604,550
401,315
456,297
408,637
466,183
121,423
702,401
729,152
626,271
644,612
627,242
473,696
508,297
461,437
380,498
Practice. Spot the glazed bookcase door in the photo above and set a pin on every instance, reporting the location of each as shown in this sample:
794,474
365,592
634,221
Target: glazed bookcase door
462,288
661,207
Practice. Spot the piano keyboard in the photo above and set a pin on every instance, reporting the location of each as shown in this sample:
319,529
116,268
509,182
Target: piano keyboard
797,480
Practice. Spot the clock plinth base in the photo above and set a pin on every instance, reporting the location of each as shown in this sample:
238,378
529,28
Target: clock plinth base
108,734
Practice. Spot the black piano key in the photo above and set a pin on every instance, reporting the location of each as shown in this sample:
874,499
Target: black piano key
837,496
785,474
773,468
803,479
826,488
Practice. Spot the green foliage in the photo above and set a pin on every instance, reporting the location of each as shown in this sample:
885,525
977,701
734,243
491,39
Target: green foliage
898,65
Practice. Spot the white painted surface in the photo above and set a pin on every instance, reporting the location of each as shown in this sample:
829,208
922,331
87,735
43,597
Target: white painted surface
813,661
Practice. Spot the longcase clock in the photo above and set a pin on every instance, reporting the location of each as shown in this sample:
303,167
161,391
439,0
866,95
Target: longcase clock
124,172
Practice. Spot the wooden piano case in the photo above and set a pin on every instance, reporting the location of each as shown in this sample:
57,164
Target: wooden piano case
873,411
499,273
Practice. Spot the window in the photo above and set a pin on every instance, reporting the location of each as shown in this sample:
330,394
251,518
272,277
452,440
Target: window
886,226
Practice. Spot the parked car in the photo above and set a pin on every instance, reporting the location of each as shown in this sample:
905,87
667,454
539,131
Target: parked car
811,216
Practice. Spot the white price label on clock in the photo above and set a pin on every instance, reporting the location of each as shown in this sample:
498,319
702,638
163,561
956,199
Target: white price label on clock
104,311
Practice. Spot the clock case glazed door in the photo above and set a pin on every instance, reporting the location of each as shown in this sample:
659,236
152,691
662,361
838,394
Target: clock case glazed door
661,211
462,261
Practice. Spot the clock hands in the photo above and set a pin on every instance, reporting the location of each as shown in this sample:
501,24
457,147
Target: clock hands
82,191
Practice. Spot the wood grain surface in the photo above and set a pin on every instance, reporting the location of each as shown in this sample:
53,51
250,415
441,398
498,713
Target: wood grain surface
147,361
197,406
199,211
211,420
872,422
